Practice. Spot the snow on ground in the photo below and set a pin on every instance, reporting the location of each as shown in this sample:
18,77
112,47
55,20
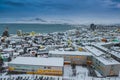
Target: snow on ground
81,70
67,71
82,74
98,74
5,64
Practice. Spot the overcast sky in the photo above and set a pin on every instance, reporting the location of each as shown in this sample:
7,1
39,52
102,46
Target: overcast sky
79,11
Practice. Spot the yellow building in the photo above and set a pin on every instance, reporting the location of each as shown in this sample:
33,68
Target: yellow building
33,65
75,57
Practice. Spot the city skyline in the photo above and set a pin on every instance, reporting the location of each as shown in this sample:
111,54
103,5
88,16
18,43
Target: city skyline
64,11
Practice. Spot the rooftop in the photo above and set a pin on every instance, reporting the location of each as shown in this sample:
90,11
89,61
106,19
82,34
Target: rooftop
107,61
117,54
100,46
38,61
94,51
70,53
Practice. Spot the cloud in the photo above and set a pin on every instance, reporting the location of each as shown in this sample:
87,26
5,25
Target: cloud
13,3
118,5
41,4
38,9
39,19
112,3
34,19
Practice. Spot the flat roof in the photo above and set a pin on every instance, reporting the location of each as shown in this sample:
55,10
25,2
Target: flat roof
70,53
94,50
38,61
117,54
103,43
107,61
100,45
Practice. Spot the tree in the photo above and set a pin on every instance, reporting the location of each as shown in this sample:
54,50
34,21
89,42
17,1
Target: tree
9,59
1,62
5,33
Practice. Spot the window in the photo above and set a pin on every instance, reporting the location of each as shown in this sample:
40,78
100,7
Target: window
49,67
44,67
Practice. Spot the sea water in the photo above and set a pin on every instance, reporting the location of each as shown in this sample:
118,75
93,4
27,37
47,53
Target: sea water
38,28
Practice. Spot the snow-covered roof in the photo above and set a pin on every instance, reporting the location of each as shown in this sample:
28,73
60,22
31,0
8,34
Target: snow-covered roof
107,61
117,54
69,53
101,47
94,51
102,43
105,49
8,49
38,61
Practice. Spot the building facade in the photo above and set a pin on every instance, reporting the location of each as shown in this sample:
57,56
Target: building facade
42,66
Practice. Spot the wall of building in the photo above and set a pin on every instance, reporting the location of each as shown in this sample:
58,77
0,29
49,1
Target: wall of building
115,57
106,70
100,67
112,70
33,69
76,59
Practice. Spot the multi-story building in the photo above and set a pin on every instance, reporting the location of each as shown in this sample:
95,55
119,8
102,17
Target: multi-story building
75,57
107,66
33,65
103,62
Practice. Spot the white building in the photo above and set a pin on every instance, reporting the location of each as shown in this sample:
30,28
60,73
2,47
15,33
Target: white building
106,65
103,62
33,65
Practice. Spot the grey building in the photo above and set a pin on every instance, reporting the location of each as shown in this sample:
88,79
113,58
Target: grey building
107,66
